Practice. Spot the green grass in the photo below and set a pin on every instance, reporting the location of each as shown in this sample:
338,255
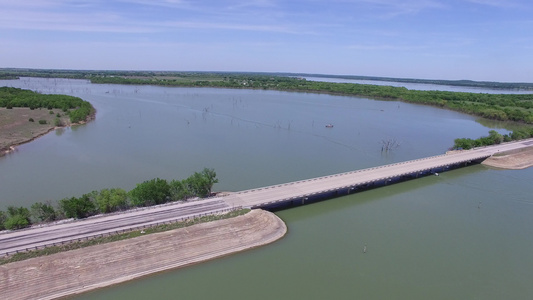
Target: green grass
118,237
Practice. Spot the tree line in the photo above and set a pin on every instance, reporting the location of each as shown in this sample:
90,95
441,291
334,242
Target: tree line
512,107
77,109
493,138
503,107
148,193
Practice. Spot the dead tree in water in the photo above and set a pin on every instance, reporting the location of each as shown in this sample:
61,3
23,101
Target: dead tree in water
389,145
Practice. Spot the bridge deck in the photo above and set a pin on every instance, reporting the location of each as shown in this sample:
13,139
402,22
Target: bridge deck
22,240
267,196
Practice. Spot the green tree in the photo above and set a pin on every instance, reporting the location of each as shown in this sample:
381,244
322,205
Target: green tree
463,143
110,200
495,137
150,192
79,208
43,212
18,217
210,178
200,184
179,190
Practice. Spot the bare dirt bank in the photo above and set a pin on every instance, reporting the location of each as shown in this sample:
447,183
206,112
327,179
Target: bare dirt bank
511,160
16,129
81,270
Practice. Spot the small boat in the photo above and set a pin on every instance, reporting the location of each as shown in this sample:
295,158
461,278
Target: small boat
329,125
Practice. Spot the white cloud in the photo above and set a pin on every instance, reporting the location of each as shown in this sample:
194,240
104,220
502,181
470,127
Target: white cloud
498,3
386,47
393,8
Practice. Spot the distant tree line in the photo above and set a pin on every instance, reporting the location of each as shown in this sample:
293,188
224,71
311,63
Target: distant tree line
493,138
504,107
147,193
77,109
512,107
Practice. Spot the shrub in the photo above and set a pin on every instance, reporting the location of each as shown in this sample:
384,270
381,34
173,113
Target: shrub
19,217
109,200
42,122
151,192
43,212
51,112
79,208
58,122
16,222
31,120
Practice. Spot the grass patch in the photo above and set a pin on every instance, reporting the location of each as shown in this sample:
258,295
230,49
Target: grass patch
118,237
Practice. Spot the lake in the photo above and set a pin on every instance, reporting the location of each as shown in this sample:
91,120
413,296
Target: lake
465,234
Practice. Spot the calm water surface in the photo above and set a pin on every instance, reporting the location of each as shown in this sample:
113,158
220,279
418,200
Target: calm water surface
463,235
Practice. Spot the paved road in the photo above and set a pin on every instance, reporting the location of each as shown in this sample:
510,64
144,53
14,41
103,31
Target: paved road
36,237
307,188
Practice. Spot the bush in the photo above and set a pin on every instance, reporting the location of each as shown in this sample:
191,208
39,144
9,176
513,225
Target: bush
16,222
18,217
43,212
42,122
58,122
31,120
110,200
151,192
51,112
79,208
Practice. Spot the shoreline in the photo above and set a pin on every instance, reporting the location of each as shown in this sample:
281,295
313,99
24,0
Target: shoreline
82,270
10,148
511,160
13,147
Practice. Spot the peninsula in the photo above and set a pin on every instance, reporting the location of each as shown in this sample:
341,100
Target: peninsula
27,115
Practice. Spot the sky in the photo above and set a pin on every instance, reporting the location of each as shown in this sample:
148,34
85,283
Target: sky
485,40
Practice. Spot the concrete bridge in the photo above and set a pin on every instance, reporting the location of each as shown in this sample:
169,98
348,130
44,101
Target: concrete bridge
316,189
271,197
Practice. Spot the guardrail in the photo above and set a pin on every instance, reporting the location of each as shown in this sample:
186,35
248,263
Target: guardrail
106,234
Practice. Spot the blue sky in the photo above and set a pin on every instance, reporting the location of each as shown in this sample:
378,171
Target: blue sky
433,39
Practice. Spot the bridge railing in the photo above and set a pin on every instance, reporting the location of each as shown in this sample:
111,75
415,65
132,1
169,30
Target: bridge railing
122,231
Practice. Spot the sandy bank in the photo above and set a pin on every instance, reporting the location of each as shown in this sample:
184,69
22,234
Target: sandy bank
512,160
93,267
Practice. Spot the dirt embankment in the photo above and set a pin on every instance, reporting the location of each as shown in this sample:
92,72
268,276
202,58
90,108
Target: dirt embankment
16,127
81,270
512,160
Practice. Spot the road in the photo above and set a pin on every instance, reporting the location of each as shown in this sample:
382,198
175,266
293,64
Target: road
307,188
46,235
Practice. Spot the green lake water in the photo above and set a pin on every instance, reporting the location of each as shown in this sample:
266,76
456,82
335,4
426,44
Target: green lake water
466,234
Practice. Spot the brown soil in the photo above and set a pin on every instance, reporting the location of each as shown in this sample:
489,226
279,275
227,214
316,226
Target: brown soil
81,270
16,129
514,161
